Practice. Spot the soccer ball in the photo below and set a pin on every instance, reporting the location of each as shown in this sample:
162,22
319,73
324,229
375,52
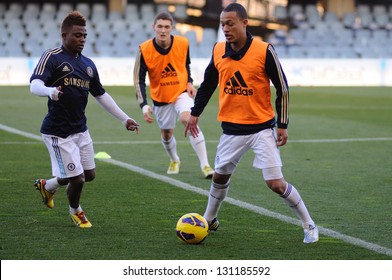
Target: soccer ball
192,228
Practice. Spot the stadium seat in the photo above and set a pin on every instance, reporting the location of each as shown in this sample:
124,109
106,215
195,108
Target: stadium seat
382,20
49,43
162,7
104,50
136,26
344,38
146,20
98,13
295,10
380,36
332,52
16,8
349,19
89,49
281,51
297,35
314,52
147,13
363,9
3,8
3,32
209,37
131,12
14,12
13,47
84,9
65,7
192,38
379,9
330,17
2,49
33,48
280,12
296,52
114,16
120,29
30,13
347,52
180,12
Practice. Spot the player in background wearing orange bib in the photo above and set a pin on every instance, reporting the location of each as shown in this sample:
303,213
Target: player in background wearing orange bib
166,60
243,67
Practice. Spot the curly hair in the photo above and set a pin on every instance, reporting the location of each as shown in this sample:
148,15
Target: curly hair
73,18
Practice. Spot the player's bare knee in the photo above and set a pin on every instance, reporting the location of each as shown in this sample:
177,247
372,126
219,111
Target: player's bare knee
278,186
220,179
89,175
62,181
167,134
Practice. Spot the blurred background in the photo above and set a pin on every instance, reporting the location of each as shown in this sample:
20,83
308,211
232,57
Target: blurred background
297,28
319,42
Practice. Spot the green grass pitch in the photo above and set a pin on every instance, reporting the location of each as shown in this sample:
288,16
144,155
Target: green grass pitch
338,156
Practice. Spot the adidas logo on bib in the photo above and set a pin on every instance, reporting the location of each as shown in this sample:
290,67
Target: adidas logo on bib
237,85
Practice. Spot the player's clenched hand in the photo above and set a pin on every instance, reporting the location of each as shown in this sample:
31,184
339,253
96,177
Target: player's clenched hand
191,90
192,126
147,111
56,94
132,125
282,136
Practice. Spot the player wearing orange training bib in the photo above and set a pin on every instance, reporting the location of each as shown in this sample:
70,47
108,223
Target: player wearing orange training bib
243,67
166,60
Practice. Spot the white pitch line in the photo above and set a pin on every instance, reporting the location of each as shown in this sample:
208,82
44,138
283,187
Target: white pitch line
256,209
19,132
290,141
36,137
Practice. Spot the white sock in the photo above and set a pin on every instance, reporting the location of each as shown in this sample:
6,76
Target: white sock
52,185
293,199
218,193
199,145
75,211
171,148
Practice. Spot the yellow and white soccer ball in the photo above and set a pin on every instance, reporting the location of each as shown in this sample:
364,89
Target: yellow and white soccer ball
192,228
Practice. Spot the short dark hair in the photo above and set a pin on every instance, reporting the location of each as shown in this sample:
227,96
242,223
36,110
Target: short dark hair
73,18
164,16
238,8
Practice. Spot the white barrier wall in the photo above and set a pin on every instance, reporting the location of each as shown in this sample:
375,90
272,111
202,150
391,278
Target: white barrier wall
299,72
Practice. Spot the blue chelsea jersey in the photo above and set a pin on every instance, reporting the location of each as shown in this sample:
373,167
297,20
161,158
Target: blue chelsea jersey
77,76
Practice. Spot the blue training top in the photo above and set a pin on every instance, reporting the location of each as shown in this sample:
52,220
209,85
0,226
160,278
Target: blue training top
77,76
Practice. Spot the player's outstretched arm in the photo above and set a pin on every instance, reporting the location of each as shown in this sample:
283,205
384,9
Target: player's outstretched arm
107,102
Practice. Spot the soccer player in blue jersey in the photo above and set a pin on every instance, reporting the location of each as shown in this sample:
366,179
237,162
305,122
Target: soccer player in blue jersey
66,77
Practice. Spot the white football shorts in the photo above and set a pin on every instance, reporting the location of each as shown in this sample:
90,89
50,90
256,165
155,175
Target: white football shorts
167,115
231,148
70,156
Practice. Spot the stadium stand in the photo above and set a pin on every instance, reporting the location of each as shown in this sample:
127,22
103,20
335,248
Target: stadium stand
28,29
365,33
